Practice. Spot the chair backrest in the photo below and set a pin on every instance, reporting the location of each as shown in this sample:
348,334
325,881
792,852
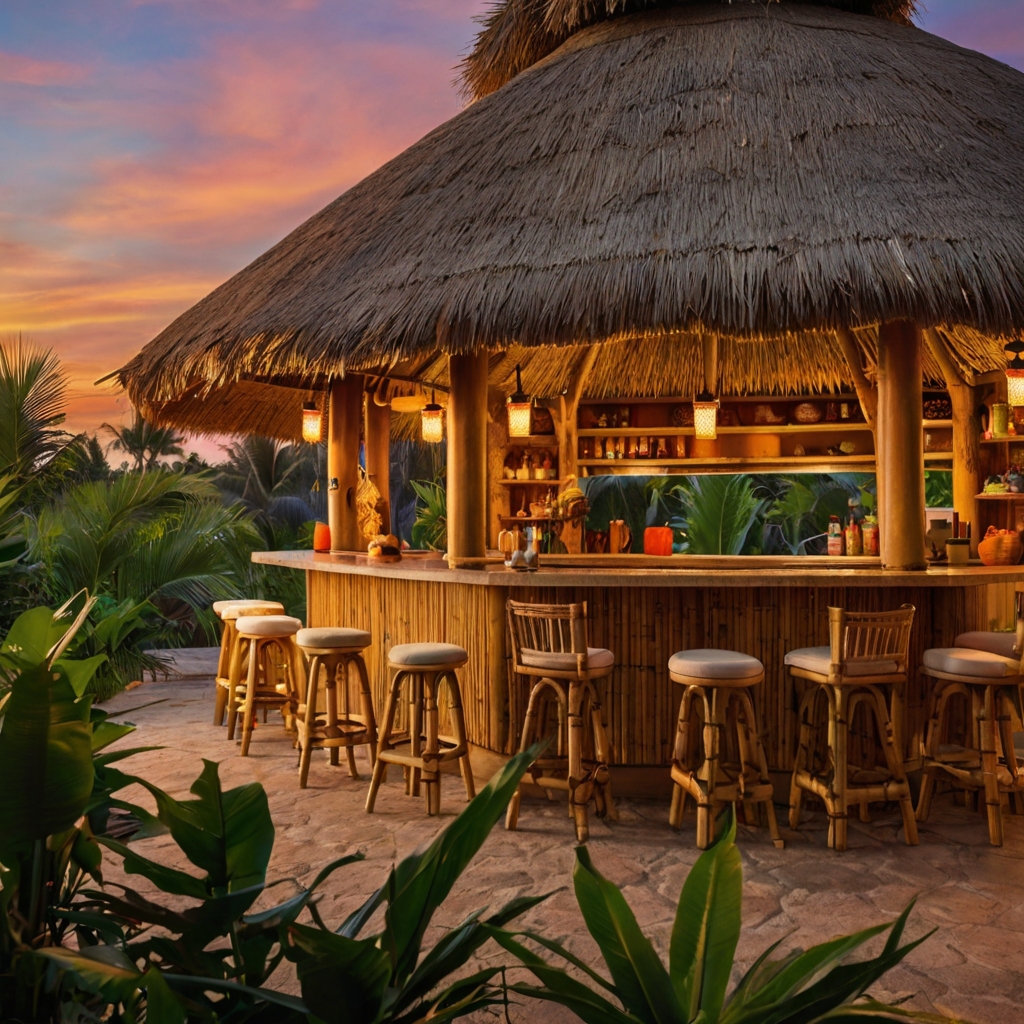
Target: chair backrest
859,638
547,629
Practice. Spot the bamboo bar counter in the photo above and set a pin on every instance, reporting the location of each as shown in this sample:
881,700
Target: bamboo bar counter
643,609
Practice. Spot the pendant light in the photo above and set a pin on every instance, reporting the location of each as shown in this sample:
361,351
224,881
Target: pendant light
705,416
519,408
312,423
432,422
1015,373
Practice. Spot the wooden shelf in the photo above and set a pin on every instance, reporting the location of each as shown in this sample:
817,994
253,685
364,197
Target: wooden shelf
549,440
1009,439
1000,497
810,461
532,483
938,456
761,428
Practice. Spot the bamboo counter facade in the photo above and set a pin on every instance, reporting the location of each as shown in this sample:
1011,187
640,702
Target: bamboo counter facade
763,607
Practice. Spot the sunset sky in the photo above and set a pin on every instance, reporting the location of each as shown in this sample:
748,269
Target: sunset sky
151,148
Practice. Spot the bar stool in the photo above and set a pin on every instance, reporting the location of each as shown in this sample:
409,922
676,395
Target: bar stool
262,635
425,666
718,683
867,652
335,651
549,645
228,612
986,761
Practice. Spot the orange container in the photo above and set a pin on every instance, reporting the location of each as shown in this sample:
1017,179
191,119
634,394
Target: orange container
1000,548
321,537
658,540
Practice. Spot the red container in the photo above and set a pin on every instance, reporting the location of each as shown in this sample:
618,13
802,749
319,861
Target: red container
321,537
658,540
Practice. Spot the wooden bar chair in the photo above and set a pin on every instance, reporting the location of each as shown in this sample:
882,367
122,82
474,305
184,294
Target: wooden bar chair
867,654
549,646
716,708
987,683
271,653
425,667
335,651
228,612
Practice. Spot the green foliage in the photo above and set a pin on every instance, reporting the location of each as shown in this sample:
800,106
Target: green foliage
938,488
430,530
718,514
618,497
798,988
798,521
412,460
269,476
144,443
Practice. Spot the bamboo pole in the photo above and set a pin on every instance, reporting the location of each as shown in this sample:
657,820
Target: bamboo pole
344,418
378,456
866,393
966,437
900,462
467,456
568,407
709,343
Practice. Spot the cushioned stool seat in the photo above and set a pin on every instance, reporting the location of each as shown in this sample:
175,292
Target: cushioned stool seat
819,661
598,659
268,625
724,667
231,649
219,607
418,655
994,643
326,638
960,661
238,609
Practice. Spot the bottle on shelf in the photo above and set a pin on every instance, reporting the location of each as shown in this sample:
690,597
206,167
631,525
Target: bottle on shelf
854,539
835,536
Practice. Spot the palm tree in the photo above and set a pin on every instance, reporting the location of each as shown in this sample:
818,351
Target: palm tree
270,476
32,393
144,442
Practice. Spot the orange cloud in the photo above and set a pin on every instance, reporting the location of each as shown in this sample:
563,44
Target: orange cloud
15,68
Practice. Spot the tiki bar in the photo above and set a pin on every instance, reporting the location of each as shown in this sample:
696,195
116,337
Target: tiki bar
684,241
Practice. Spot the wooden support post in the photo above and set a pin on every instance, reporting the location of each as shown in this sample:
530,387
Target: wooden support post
966,437
344,419
378,456
900,461
867,394
568,405
467,457
709,344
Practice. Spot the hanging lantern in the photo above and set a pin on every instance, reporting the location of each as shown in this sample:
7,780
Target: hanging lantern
1015,374
432,421
705,416
312,423
519,409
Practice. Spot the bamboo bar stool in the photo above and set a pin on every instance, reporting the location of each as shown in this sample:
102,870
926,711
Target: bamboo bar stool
335,651
718,684
228,612
425,667
549,645
263,635
985,680
867,653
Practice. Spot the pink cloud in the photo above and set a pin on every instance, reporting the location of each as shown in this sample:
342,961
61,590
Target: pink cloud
17,69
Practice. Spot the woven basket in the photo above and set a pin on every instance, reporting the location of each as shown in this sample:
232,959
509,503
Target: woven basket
1000,549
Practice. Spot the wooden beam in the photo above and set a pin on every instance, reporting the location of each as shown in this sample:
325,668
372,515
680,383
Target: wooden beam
568,405
866,392
467,457
966,436
900,461
378,456
709,342
345,414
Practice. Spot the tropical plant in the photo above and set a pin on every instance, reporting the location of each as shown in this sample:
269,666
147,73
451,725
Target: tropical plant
12,540
801,987
430,530
412,460
797,521
620,497
32,392
213,959
271,477
143,442
938,488
718,514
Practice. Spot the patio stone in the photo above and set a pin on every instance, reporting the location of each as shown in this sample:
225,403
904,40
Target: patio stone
970,892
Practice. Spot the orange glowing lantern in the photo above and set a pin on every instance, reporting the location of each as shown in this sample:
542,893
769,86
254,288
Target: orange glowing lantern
705,416
312,423
1015,374
519,409
432,422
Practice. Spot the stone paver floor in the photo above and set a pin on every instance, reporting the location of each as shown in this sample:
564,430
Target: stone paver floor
972,894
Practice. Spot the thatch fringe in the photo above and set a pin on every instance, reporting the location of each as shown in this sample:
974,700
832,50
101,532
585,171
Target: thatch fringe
516,34
768,177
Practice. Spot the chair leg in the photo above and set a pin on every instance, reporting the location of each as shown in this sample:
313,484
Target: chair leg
893,747
459,723
575,724
839,730
803,754
714,720
412,780
602,749
366,698
380,766
680,757
753,749
237,666
930,751
989,768
512,814
307,730
431,774
250,693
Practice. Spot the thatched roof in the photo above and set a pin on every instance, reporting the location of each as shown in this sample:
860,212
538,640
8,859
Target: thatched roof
765,173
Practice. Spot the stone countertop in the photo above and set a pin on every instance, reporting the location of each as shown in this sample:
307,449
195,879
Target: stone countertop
650,571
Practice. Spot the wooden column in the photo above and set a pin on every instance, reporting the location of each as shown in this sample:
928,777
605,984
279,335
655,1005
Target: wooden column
568,406
967,481
900,461
867,395
378,456
345,415
467,457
